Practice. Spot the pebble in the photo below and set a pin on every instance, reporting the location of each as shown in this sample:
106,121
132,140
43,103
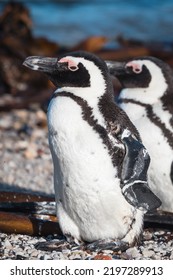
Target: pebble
21,145
31,151
47,257
171,256
41,118
102,257
132,252
7,244
34,253
148,253
147,235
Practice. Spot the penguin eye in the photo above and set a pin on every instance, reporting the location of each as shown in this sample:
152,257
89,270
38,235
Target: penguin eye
133,67
73,68
137,70
71,64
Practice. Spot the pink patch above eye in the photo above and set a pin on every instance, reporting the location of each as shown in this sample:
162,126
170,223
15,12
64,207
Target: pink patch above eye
72,65
137,68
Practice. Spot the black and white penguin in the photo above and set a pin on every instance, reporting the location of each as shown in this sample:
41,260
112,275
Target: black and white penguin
100,164
147,98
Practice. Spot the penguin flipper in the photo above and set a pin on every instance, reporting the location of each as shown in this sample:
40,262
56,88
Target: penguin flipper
171,173
134,175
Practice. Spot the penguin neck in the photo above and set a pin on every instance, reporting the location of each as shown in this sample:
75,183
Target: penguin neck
92,97
144,95
87,94
91,94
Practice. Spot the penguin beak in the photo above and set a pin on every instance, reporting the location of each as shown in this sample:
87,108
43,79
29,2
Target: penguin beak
44,64
116,68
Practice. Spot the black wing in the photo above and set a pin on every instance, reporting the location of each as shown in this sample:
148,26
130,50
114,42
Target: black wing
134,175
171,173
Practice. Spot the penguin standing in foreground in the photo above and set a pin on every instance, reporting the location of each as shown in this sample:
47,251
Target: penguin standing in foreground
147,98
100,164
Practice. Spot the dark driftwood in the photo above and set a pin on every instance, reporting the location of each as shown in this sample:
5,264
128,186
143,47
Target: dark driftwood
30,225
40,208
159,219
23,197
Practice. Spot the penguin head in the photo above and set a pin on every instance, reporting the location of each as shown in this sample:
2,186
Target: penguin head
77,72
145,78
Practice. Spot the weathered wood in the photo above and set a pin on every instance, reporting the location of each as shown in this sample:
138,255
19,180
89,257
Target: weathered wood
29,225
159,219
41,208
23,197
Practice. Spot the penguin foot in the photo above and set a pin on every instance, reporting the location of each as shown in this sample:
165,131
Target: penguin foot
67,242
53,245
107,244
73,241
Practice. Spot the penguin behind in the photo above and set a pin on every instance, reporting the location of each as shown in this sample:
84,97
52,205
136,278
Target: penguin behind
100,164
147,98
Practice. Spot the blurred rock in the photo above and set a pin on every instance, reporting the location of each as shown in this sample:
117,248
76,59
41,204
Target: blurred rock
8,244
92,44
16,43
42,118
132,252
148,253
31,151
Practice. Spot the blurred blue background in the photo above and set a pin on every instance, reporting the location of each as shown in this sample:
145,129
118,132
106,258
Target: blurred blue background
69,22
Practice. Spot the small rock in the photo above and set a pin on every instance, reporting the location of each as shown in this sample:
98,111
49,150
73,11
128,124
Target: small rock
159,233
34,253
21,145
148,253
107,252
17,125
21,257
47,257
38,133
31,151
7,244
133,252
22,114
6,123
156,257
41,118
171,256
148,235
102,257
124,256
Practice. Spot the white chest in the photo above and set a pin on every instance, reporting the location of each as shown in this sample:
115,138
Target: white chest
83,158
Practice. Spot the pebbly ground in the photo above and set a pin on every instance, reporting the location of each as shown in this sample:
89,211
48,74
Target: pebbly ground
26,166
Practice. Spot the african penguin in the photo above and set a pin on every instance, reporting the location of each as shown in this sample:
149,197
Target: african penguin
147,98
100,164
